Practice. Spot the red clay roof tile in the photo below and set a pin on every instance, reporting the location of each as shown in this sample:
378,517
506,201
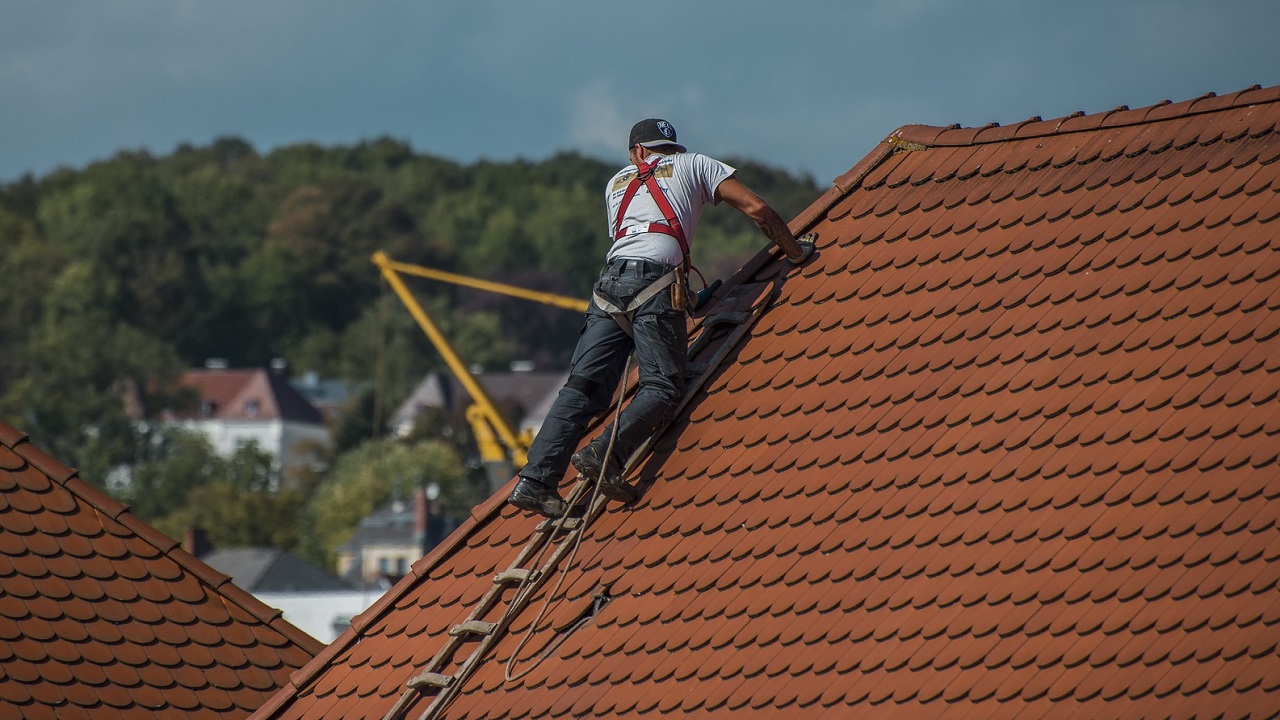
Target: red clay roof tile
103,617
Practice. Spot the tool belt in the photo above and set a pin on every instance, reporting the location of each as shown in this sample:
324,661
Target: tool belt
675,281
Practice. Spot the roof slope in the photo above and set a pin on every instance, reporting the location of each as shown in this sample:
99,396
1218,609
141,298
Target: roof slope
102,616
1007,447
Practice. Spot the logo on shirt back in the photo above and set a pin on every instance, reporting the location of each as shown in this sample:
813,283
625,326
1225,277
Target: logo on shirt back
664,170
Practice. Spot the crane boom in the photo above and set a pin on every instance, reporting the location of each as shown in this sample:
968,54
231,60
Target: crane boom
546,298
492,432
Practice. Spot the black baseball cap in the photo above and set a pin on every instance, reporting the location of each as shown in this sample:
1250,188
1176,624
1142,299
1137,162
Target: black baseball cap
654,133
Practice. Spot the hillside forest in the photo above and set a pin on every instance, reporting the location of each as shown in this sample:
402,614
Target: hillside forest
116,277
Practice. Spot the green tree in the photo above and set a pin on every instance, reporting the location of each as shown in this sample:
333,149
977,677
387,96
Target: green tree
28,266
175,462
82,365
363,419
363,480
115,276
243,507
121,218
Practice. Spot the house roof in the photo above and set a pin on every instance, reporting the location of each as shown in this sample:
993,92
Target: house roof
252,394
102,616
526,393
1007,446
394,524
264,569
327,395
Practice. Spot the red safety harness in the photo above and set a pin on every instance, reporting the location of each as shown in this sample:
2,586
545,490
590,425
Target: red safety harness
671,226
645,176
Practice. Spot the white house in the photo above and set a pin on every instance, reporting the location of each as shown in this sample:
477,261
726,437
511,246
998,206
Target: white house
323,614
238,407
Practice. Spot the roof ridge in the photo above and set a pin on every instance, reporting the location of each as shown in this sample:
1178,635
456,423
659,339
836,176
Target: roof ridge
918,137
69,478
913,137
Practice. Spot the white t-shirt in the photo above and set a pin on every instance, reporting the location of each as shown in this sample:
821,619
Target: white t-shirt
689,182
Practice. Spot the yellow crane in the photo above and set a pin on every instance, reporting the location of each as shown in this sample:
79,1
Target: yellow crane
501,448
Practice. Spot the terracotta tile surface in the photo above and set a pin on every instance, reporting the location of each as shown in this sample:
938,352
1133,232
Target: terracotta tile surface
103,617
1006,448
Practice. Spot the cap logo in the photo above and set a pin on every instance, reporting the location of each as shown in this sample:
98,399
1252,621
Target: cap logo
665,128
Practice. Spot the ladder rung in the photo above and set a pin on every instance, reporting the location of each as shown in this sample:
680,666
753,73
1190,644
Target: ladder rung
473,627
451,684
569,524
431,679
514,576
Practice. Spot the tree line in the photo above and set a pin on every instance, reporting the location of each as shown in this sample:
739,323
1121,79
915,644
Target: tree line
117,276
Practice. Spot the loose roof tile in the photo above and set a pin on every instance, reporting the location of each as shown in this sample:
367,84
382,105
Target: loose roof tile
1006,448
102,616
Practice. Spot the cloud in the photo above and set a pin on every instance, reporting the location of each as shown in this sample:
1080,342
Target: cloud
810,85
597,123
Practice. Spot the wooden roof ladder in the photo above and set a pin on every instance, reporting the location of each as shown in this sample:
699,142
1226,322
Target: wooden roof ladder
739,309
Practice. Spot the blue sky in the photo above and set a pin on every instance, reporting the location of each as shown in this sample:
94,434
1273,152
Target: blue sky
805,85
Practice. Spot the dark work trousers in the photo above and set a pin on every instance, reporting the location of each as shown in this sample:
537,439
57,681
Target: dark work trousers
661,344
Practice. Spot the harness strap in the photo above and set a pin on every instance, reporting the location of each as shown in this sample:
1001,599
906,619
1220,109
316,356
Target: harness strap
645,176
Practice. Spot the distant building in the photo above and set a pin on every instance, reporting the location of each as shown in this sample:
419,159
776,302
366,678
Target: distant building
327,395
265,569
239,407
322,614
310,598
523,395
391,539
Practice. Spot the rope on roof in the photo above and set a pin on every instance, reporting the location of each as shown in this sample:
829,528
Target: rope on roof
529,570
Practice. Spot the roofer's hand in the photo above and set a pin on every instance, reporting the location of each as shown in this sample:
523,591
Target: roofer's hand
808,244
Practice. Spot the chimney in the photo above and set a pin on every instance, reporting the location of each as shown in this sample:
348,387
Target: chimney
428,521
196,541
421,508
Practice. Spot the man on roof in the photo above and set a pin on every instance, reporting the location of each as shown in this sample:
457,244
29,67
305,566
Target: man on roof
639,302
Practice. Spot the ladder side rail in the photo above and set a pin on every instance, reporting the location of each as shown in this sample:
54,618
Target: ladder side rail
477,393
741,324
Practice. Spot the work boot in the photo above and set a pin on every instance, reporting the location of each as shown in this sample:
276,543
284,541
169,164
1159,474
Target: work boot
535,497
587,461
